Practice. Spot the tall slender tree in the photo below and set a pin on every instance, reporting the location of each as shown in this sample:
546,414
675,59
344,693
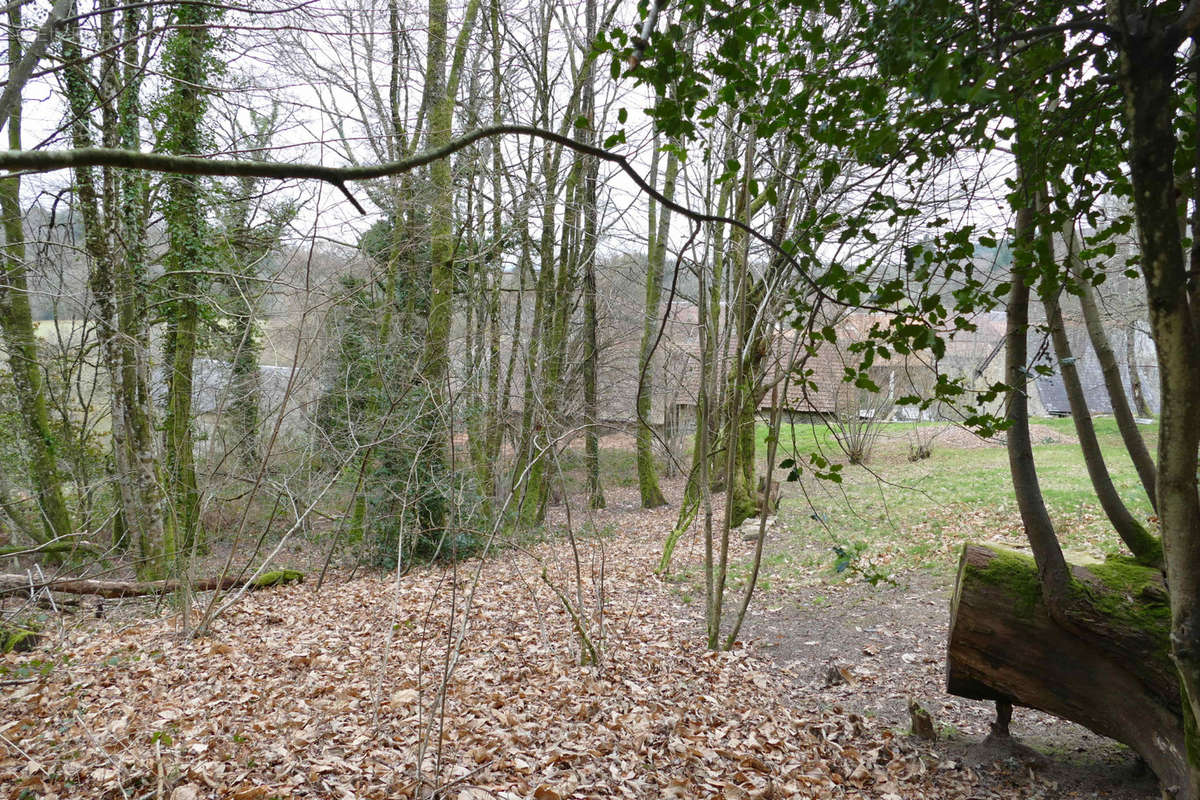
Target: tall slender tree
189,65
20,339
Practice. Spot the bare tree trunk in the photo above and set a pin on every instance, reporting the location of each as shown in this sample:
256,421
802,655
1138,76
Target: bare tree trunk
660,229
734,405
442,89
248,250
495,416
591,222
1146,78
709,309
1130,435
20,584
533,428
1135,375
1052,567
562,300
739,432
1145,547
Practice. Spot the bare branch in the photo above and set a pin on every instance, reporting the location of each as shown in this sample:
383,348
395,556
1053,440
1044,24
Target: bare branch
21,73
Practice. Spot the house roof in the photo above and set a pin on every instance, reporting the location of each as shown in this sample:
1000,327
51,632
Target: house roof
1053,392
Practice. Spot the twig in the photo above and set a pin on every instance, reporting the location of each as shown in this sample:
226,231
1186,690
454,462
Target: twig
13,745
102,751
576,622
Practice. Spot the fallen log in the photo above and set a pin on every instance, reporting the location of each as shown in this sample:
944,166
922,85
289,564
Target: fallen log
1109,669
15,584
70,545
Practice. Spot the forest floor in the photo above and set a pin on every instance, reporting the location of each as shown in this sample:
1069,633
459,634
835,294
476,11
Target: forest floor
467,682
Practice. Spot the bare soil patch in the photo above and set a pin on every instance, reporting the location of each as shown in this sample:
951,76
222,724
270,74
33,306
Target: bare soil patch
886,645
872,649
956,437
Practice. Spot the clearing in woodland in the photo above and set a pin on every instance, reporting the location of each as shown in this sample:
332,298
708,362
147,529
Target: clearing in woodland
467,680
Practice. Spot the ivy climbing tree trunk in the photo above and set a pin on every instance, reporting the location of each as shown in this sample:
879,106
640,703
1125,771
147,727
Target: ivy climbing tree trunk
20,339
187,62
115,211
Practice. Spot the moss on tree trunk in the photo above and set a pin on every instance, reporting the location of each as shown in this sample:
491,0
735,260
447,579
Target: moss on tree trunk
1108,667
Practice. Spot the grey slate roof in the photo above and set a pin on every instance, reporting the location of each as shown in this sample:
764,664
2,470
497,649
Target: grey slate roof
1053,393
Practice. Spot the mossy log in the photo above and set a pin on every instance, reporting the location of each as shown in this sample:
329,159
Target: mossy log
1107,667
13,584
18,639
58,547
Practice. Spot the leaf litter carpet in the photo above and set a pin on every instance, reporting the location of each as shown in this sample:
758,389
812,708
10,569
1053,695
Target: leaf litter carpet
338,694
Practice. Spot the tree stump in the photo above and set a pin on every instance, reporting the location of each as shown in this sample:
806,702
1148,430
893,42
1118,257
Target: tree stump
1103,663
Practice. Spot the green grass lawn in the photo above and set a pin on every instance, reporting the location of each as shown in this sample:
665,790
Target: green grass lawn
899,514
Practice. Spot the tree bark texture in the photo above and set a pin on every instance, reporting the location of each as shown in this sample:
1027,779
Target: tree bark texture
1135,376
1052,568
20,340
1126,424
660,224
1147,80
1006,646
1144,546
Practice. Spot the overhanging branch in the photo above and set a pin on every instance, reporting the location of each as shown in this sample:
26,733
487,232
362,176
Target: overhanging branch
37,161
